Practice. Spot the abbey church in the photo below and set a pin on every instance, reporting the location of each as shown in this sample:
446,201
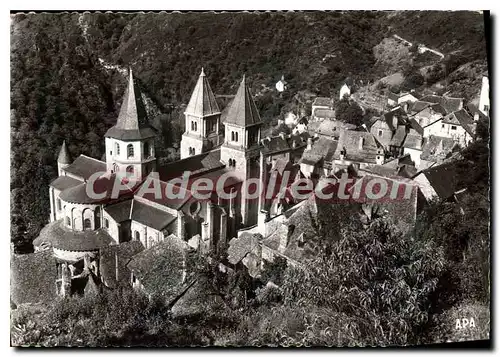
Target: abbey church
88,234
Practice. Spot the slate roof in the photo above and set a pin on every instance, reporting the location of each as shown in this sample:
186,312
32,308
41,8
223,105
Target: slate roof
64,155
64,182
449,104
243,111
400,115
322,101
322,148
132,123
414,125
413,140
32,277
399,136
443,179
195,164
418,106
202,102
324,113
151,216
120,211
462,118
182,196
437,148
104,185
160,268
239,247
329,127
85,166
61,237
349,140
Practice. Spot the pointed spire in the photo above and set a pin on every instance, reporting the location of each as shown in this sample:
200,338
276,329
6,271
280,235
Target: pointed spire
243,111
202,102
64,155
132,113
132,120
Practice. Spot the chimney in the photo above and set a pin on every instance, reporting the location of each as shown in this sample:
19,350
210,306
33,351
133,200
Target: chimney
309,143
361,142
181,225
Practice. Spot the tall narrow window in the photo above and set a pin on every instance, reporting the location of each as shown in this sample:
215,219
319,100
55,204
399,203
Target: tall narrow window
58,204
87,225
232,136
147,150
115,168
106,223
117,148
236,136
195,126
192,125
137,235
130,150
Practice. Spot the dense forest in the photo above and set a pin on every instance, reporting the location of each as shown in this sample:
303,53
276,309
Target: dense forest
66,84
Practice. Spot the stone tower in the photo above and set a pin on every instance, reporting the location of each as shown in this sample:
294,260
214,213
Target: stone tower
64,159
130,143
202,118
240,151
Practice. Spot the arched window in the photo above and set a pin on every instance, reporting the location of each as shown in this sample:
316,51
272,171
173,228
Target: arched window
232,136
137,235
117,148
195,126
130,150
115,168
150,242
234,163
192,125
236,136
68,221
87,225
130,170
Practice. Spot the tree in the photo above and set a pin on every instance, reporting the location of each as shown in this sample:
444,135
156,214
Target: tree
380,279
348,111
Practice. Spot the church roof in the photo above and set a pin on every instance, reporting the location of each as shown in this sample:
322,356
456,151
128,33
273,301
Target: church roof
243,111
61,237
151,216
85,166
64,155
197,164
132,123
202,102
103,185
119,211
64,182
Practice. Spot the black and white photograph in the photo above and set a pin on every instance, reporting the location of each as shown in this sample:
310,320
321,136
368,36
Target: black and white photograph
250,178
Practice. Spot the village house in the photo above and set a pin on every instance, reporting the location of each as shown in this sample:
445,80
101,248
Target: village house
281,85
346,89
328,128
322,104
394,99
